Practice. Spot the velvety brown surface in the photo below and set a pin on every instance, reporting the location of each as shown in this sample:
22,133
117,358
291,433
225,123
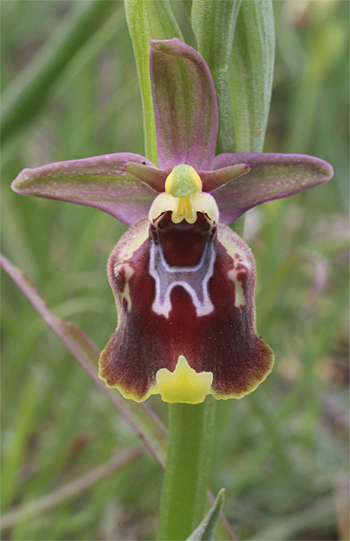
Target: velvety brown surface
223,342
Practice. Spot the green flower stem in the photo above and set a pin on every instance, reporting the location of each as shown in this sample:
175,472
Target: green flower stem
190,445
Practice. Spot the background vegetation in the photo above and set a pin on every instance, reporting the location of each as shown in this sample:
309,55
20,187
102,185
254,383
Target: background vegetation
281,452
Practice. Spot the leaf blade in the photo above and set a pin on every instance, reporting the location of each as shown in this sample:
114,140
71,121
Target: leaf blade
251,73
214,25
206,530
147,427
28,93
149,19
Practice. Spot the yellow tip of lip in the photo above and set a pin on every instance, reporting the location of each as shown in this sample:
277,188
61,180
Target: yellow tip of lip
183,181
184,384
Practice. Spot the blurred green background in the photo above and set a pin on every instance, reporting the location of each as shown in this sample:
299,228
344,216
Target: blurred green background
282,452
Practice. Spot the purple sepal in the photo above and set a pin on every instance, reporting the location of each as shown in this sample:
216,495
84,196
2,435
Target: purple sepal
271,176
98,182
185,106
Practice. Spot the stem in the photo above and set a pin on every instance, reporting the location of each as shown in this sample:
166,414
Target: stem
190,445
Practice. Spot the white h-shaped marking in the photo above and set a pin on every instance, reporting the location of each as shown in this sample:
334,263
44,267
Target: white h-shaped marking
194,279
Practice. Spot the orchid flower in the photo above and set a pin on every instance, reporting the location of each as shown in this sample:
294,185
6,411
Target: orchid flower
183,280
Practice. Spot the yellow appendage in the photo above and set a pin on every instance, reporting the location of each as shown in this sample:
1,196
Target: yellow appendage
184,209
184,384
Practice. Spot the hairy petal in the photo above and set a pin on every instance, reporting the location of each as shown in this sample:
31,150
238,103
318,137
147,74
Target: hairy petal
271,176
214,179
100,182
185,105
155,178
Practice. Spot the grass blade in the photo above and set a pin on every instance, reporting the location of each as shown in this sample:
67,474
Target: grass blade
69,490
86,353
26,96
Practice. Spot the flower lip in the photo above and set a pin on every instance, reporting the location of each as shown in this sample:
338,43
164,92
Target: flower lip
191,290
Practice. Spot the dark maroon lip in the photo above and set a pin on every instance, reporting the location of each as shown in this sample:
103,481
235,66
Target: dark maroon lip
222,341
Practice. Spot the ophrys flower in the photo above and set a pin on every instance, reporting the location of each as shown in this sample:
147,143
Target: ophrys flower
183,280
